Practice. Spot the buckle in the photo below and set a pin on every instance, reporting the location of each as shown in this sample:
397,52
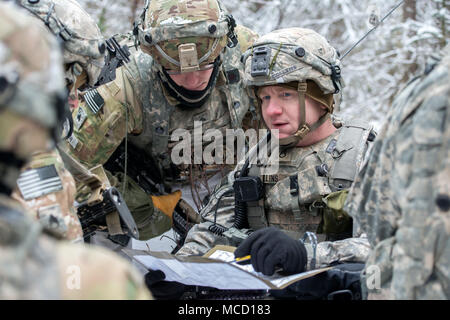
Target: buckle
303,131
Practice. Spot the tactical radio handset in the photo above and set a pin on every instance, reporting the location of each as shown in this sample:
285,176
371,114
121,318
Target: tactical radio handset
117,56
247,189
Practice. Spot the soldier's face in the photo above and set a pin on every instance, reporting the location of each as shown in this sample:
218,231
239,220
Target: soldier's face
281,109
194,81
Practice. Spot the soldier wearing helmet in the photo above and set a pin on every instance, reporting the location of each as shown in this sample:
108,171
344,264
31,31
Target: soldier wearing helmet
294,74
51,198
32,94
188,69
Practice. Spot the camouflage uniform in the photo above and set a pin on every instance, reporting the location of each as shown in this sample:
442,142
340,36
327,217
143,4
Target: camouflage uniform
401,197
51,199
33,265
142,107
306,193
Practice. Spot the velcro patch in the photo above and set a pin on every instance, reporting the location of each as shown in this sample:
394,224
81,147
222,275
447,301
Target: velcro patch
73,141
233,76
331,146
80,118
35,183
273,178
94,100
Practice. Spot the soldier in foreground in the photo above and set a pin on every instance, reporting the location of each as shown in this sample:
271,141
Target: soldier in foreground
32,97
188,70
401,197
45,185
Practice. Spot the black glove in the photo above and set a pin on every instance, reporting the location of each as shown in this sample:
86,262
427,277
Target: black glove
269,248
340,283
163,290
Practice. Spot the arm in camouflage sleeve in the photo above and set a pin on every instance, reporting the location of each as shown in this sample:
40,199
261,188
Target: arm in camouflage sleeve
95,273
48,189
103,118
401,198
200,239
354,250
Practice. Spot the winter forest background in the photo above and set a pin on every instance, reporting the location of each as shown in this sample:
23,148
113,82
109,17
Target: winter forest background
373,72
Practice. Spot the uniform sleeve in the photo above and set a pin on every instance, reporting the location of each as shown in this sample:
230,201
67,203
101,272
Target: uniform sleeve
53,204
200,238
354,250
94,273
103,118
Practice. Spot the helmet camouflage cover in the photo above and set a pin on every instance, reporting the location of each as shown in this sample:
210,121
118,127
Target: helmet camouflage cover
184,35
295,56
31,75
291,55
84,46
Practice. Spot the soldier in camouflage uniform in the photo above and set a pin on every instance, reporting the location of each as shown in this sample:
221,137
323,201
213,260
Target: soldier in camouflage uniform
294,74
32,264
45,185
401,197
184,73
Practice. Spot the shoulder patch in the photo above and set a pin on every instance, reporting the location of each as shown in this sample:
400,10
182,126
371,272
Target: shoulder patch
38,182
94,100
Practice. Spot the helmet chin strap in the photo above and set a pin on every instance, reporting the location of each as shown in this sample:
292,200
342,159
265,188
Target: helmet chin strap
303,127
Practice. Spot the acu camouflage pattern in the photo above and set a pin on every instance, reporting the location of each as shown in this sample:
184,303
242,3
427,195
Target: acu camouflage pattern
35,266
83,41
394,199
294,214
137,107
286,66
55,211
169,23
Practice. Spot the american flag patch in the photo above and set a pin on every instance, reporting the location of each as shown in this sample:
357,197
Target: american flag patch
94,100
38,182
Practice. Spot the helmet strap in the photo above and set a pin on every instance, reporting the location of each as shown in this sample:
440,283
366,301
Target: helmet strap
189,98
303,127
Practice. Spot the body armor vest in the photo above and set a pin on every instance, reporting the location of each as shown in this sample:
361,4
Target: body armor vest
294,198
224,109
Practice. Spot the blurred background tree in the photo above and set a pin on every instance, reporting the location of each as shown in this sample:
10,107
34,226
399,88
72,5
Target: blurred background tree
373,72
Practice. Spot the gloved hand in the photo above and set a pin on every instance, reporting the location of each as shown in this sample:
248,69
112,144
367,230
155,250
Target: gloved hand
343,282
269,248
161,289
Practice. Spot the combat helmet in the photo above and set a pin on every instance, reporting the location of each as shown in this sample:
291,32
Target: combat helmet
31,82
185,36
84,45
298,58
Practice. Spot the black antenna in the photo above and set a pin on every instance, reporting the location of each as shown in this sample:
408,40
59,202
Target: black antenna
365,36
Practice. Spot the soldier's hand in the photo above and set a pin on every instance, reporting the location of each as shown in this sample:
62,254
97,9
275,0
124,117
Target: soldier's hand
270,248
162,289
